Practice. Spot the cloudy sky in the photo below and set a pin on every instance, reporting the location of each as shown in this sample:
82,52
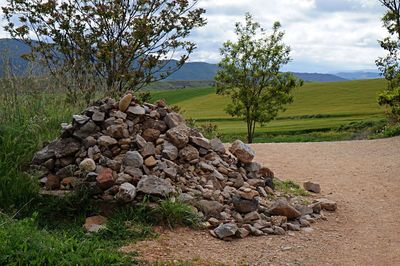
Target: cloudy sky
325,35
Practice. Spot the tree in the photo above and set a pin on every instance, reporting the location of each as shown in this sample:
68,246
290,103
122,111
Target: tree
126,43
250,74
389,65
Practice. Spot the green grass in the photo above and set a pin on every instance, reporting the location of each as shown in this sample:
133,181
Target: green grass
289,187
318,111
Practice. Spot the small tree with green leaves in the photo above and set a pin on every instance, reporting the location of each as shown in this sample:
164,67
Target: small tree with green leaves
250,73
389,65
125,43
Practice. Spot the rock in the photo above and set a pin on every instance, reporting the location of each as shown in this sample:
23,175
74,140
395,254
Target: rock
87,165
312,187
173,120
248,194
170,151
126,193
155,124
293,227
267,173
304,210
80,119
52,182
201,142
328,205
45,154
66,171
151,134
226,230
206,167
242,233
148,150
251,216
244,205
139,141
133,159
171,172
242,151
86,130
89,142
66,147
253,167
189,153
106,141
105,179
217,145
150,162
279,230
136,110
210,208
155,186
118,131
282,208
95,223
98,116
278,220
125,102
179,136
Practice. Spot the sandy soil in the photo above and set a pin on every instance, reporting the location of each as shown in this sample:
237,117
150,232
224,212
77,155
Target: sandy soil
362,176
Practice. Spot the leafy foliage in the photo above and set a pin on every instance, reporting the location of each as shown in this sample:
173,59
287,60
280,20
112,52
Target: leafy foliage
126,44
250,74
389,65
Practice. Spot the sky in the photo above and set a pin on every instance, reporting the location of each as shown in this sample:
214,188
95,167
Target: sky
326,36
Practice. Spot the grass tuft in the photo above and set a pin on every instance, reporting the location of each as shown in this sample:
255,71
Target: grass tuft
289,187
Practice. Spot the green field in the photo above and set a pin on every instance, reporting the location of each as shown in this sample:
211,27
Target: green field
317,108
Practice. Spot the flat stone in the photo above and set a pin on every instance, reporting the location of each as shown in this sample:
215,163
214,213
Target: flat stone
328,205
136,110
66,147
98,116
155,186
86,130
201,142
226,230
148,150
106,141
243,152
242,233
80,119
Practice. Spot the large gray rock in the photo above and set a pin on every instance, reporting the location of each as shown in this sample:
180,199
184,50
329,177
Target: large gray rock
282,207
243,152
133,159
136,110
173,120
86,130
209,207
155,186
66,147
179,136
226,230
217,145
170,151
244,205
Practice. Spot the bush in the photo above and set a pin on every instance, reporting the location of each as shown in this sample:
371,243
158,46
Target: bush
22,243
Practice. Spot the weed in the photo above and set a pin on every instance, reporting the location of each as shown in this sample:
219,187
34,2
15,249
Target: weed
289,187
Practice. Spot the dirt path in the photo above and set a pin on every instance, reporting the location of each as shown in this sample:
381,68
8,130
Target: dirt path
362,176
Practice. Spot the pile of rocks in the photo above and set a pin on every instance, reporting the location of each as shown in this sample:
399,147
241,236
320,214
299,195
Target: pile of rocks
123,151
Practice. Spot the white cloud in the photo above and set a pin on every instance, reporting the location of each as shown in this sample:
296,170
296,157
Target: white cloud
325,35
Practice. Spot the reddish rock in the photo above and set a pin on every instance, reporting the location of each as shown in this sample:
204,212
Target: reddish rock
151,134
95,223
105,179
52,182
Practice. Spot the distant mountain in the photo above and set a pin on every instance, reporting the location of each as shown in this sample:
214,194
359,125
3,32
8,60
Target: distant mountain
356,75
196,71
